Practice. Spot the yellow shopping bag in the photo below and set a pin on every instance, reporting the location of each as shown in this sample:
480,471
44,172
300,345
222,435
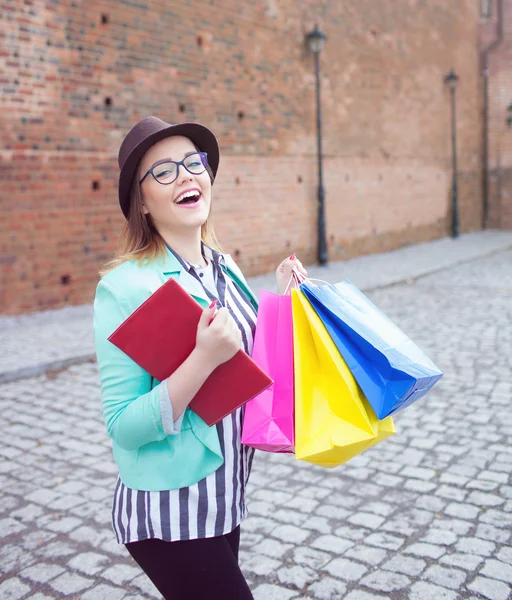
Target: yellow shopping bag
333,420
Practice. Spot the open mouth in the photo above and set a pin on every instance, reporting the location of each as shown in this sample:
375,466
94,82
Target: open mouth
188,198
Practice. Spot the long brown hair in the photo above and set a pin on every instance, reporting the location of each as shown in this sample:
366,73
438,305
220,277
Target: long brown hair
139,240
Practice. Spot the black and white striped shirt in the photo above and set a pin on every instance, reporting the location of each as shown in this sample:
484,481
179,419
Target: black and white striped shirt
215,505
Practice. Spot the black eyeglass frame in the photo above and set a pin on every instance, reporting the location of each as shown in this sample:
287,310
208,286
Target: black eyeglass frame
204,162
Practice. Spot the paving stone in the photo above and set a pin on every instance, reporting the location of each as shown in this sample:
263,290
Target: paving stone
298,576
494,476
13,589
10,526
328,589
260,564
360,595
345,569
418,473
475,546
144,584
505,555
379,508
319,524
371,556
418,485
439,537
455,525
14,558
272,592
462,510
28,514
121,574
333,512
406,565
481,499
490,588
445,576
495,569
42,496
431,503
493,534
385,581
351,533
90,563
112,547
425,550
104,592
469,562
56,550
313,558
497,518
272,548
70,583
88,535
482,484
63,525
331,543
365,519
451,493
290,533
427,591
41,572
385,540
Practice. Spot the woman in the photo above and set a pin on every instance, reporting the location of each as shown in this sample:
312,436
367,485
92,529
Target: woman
180,495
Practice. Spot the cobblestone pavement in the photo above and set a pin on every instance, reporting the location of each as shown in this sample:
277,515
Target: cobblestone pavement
425,515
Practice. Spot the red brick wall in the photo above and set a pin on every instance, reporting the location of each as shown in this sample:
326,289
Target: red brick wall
72,86
500,133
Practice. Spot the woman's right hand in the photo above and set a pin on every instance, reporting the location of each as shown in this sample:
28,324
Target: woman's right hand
217,340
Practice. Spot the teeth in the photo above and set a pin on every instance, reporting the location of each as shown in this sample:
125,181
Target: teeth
189,194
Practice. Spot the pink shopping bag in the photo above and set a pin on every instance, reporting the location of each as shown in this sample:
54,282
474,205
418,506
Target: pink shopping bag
269,417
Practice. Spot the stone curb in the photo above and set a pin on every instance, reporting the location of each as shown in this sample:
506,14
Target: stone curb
45,367
427,272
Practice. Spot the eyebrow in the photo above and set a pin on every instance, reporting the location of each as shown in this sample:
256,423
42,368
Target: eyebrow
164,160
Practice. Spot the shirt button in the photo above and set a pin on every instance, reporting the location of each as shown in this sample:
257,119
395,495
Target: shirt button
201,274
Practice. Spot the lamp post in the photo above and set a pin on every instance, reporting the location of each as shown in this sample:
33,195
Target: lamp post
451,81
316,40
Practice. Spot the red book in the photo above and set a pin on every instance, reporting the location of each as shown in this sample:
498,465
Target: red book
161,334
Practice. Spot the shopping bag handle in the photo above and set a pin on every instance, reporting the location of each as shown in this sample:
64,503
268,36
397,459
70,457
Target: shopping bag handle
300,278
294,277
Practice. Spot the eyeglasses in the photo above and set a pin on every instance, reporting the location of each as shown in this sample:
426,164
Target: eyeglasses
166,172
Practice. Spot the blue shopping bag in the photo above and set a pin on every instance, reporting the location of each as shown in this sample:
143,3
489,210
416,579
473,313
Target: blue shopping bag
391,370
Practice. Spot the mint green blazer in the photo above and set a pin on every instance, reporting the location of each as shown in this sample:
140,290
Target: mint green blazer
146,457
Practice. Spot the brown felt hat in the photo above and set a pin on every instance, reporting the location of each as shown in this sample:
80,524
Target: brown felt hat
147,132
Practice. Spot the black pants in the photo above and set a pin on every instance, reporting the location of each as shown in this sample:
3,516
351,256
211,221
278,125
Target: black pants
195,569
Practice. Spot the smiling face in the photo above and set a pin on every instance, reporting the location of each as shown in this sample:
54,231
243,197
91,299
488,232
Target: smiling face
183,204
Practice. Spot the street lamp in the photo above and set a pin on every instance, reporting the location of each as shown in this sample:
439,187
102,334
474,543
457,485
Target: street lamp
451,81
316,40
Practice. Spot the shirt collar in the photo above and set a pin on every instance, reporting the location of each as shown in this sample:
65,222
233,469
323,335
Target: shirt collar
210,254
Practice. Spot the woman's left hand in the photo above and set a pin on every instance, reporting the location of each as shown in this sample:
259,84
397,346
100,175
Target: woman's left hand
284,273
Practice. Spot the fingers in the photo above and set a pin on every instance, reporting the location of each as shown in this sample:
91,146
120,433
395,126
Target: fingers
300,268
226,327
286,263
221,318
207,315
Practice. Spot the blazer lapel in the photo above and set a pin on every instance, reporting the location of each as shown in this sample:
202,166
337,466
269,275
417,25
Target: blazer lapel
171,267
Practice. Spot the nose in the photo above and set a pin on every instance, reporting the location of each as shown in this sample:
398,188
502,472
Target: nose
183,175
